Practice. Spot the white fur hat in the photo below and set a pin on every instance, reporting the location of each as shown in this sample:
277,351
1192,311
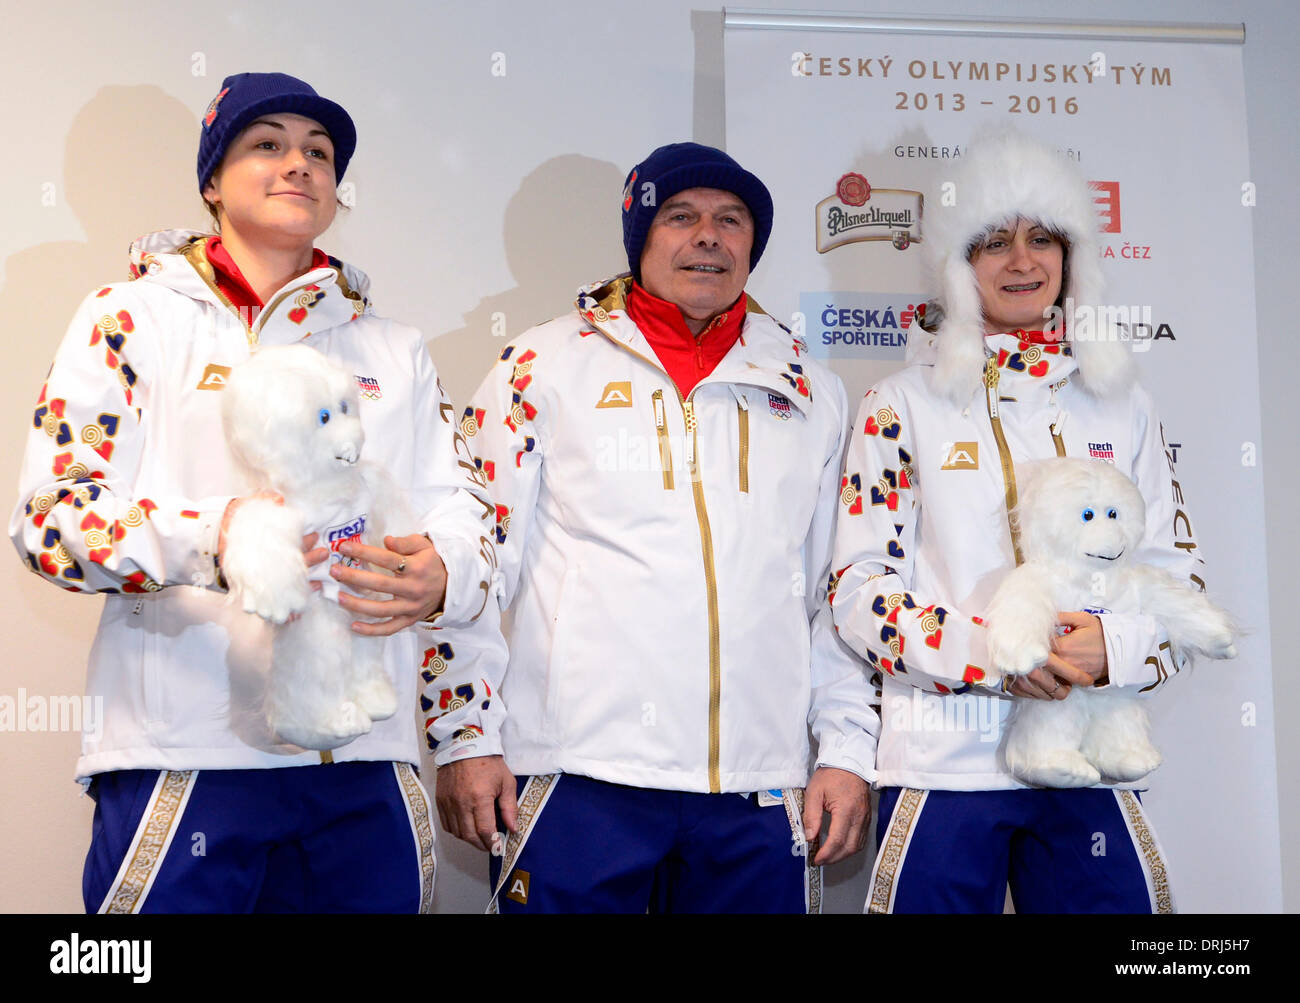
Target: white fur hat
1002,176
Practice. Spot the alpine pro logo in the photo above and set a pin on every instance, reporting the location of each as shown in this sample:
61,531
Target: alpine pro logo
962,456
214,377
518,887
616,394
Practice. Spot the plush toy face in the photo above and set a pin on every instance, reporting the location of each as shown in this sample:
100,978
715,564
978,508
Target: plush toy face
293,416
1082,512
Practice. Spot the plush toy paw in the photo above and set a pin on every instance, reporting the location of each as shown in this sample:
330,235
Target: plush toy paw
377,698
341,726
263,563
1124,764
1221,635
1057,768
1014,649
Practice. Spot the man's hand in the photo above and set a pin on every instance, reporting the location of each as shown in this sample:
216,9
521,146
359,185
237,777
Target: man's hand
469,791
418,584
844,795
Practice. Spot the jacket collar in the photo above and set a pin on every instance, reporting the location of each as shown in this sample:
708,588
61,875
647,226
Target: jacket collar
766,355
322,298
1024,368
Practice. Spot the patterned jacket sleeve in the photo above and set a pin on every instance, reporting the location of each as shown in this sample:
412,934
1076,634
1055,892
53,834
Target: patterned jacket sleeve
454,505
1137,648
876,612
841,713
80,522
505,451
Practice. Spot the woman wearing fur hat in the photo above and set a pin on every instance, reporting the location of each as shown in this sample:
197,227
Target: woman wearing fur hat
1014,368
126,486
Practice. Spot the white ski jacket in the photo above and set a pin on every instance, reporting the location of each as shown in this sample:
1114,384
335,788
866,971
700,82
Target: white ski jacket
126,476
661,562
923,540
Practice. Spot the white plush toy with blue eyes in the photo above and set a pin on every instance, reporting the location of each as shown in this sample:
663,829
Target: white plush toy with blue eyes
292,417
1081,523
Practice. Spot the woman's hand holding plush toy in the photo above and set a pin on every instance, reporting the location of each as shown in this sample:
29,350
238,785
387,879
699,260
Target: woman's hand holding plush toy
1077,659
417,583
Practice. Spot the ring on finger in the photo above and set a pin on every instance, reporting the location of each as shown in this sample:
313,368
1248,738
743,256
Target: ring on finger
401,567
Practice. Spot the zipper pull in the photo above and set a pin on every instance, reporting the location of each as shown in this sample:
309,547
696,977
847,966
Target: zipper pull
658,399
1059,424
688,409
740,398
991,377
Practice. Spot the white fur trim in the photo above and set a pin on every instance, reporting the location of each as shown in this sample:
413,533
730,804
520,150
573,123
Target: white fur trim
1001,177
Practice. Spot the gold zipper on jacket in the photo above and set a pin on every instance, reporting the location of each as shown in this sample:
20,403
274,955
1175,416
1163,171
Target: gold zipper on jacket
196,253
991,375
1057,441
706,543
665,450
742,417
710,580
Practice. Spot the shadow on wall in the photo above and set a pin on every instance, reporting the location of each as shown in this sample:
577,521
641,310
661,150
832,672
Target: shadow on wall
562,230
128,168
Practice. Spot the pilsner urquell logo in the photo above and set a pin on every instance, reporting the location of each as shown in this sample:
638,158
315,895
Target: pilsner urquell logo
859,212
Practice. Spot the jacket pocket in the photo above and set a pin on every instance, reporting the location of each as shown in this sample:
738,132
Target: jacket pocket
561,628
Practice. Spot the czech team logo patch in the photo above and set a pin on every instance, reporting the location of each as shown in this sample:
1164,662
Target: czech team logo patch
336,536
779,406
368,387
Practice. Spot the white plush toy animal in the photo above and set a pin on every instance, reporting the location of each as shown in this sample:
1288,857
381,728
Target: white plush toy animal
1080,523
292,417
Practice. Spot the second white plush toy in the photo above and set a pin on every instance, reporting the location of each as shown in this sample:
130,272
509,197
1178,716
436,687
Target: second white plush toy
1081,522
292,417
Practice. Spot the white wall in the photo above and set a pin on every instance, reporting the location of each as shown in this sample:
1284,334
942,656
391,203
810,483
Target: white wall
474,194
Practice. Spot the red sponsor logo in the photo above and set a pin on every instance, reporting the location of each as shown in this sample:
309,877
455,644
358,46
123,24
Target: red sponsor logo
1106,199
853,189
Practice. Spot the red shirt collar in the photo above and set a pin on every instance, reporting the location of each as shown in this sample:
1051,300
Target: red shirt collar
660,317
686,357
1033,337
230,280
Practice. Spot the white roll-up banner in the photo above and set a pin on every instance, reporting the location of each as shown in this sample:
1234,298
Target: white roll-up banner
855,124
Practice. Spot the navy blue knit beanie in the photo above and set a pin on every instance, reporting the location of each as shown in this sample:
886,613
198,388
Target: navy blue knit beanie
245,97
675,168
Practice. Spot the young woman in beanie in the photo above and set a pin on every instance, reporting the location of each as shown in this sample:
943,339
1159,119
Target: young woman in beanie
126,485
1014,368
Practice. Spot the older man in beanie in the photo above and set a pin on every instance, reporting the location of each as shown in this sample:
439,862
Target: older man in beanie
665,461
